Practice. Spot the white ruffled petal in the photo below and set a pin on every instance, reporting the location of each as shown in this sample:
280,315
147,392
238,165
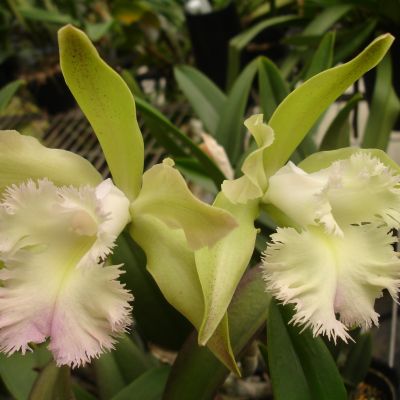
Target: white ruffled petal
323,274
362,189
302,197
45,234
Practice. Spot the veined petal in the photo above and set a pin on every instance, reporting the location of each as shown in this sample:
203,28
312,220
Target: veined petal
23,157
46,232
323,274
253,183
362,189
166,196
302,197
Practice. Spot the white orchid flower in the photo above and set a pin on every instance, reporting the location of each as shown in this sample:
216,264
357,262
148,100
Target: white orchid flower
59,220
340,256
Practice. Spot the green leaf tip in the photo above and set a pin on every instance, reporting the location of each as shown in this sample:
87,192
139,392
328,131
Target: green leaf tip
108,104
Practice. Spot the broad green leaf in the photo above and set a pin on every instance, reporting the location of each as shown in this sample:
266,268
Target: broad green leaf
8,91
230,131
384,110
196,371
165,195
175,141
338,133
53,383
148,386
155,319
23,157
108,104
18,374
323,57
301,366
205,97
300,110
272,87
171,263
240,41
324,159
221,266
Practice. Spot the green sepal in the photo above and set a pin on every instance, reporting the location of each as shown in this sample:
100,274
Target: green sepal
171,263
221,266
23,157
108,104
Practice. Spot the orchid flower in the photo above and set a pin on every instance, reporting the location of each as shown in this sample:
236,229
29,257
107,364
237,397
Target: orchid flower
338,257
335,254
59,220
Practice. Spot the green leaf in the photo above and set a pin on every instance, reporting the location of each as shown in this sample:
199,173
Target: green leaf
130,359
17,373
196,371
8,91
148,386
352,40
230,131
315,28
338,133
384,110
205,97
300,110
301,366
358,359
53,383
155,319
324,159
326,19
272,87
175,141
108,376
221,266
97,30
108,104
23,157
54,17
240,41
120,367
323,57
